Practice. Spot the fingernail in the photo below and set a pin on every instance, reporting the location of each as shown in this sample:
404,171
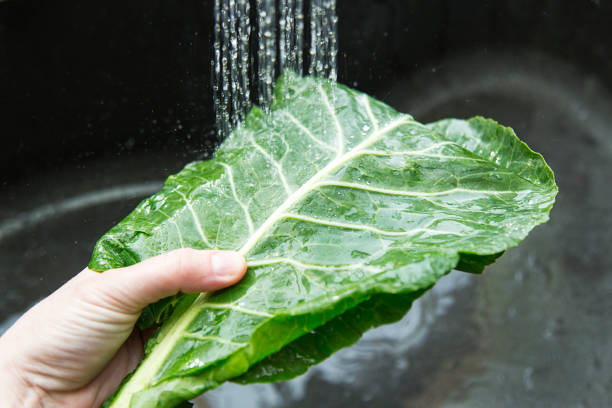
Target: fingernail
227,263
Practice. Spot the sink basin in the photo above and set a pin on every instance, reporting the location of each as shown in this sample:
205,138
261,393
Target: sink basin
533,331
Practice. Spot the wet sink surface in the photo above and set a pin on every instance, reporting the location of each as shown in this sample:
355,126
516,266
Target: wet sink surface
533,330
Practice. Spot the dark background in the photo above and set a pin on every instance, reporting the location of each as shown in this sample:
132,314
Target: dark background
84,80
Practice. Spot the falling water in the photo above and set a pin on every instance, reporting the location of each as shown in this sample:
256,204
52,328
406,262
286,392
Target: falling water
291,29
231,60
278,39
266,54
323,39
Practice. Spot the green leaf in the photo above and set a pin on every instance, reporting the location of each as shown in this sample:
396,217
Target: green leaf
344,330
345,209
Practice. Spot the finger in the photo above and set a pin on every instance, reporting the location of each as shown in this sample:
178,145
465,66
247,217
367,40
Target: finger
185,270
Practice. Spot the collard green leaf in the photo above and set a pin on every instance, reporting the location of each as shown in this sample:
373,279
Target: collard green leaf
344,330
345,209
298,356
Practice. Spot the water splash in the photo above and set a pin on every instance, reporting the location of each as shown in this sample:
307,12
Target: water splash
246,62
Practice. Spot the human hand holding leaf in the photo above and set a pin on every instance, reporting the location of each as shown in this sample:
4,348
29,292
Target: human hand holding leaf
85,340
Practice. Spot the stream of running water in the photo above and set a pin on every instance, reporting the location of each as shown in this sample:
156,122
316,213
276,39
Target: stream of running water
256,40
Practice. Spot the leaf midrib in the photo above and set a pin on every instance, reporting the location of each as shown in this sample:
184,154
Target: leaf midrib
312,183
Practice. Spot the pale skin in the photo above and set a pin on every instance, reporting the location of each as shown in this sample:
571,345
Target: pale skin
73,348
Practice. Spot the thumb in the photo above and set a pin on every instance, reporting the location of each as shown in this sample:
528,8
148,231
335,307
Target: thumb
186,270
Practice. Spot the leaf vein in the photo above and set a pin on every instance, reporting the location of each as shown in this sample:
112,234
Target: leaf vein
360,227
387,191
245,208
231,306
178,230
311,184
279,168
306,265
216,339
339,132
307,132
195,219
365,101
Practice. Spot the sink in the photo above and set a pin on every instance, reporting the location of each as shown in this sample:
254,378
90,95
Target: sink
100,110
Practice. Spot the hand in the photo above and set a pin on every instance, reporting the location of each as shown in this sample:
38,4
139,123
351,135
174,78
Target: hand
74,347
